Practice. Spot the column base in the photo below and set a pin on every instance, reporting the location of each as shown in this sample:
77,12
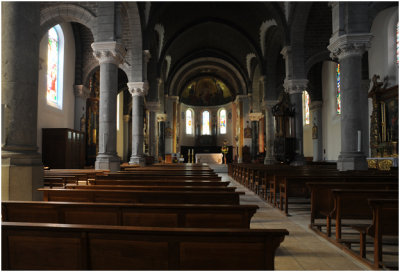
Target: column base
108,162
352,161
298,161
21,176
140,160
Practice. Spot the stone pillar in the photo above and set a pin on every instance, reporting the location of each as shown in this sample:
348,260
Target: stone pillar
254,118
22,168
81,94
110,55
138,91
295,88
269,132
349,49
153,107
161,118
127,119
316,112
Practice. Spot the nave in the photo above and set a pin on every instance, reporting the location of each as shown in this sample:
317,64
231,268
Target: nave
302,249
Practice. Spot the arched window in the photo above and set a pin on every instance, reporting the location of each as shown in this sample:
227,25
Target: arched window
55,64
222,121
189,122
205,130
306,108
338,92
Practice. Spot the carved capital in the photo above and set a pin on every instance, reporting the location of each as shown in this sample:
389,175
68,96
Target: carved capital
127,118
162,117
349,45
255,116
138,88
109,52
286,51
81,91
147,55
295,86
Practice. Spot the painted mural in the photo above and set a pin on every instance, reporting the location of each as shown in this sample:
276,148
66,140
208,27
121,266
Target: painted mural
206,91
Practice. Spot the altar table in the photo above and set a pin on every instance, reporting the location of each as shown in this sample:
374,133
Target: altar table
211,158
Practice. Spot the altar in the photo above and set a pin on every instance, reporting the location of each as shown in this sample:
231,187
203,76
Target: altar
210,158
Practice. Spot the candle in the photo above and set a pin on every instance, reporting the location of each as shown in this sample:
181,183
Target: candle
359,141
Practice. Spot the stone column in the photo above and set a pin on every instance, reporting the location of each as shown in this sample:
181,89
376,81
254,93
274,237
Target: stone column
81,94
161,118
254,118
22,168
316,112
270,132
295,88
349,49
110,55
127,119
138,91
153,107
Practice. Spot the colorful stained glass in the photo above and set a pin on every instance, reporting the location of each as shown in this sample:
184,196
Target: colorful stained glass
222,122
306,108
338,94
52,66
206,123
189,122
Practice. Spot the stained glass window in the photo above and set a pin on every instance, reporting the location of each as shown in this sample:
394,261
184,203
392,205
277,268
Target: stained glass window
338,94
54,66
189,122
222,122
206,123
306,108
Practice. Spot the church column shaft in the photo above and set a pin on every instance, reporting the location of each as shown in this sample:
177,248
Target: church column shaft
110,55
161,118
138,91
316,111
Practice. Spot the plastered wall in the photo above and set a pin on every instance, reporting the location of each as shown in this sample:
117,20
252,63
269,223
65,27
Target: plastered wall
49,116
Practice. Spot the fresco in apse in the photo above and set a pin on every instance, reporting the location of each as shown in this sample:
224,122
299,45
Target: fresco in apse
206,91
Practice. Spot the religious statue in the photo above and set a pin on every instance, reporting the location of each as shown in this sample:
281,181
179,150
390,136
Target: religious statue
83,122
315,132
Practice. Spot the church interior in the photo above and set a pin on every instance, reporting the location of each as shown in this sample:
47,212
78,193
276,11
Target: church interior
200,135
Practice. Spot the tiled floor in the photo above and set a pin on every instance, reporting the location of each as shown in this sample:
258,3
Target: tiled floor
302,249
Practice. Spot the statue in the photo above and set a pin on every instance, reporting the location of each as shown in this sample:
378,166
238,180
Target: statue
83,122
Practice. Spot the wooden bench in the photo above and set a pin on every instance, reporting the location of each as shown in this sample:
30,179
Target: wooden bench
133,176
145,215
43,246
182,187
162,182
353,204
121,196
322,201
385,222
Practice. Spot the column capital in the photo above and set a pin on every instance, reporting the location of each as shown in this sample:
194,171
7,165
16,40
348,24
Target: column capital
159,81
294,86
126,118
153,106
349,45
255,116
263,79
285,52
162,117
147,55
138,88
109,52
316,105
81,91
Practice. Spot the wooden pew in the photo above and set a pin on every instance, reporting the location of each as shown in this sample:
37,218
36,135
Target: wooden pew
122,196
353,204
157,176
161,182
385,222
182,187
145,215
43,246
322,201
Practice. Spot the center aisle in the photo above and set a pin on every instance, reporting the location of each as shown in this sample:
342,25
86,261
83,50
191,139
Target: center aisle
302,249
